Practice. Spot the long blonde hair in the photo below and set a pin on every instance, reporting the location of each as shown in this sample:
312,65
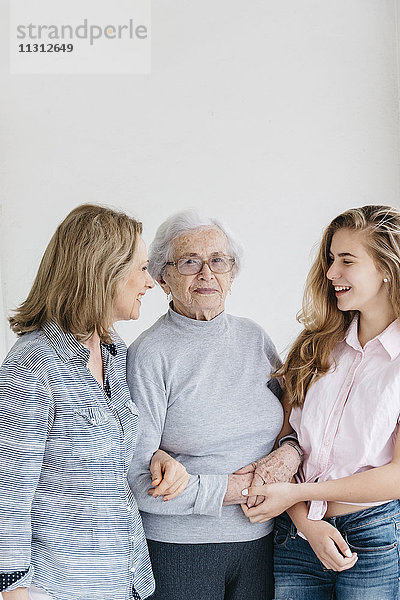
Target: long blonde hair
324,324
75,286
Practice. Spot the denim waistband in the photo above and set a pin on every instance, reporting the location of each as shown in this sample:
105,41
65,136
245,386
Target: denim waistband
351,520
368,515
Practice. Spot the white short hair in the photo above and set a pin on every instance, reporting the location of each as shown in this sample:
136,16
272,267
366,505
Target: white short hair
160,250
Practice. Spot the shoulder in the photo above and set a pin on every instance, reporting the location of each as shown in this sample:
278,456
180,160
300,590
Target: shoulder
248,327
155,340
254,333
31,356
31,350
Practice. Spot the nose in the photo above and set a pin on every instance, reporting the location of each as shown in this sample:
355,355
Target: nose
150,283
333,272
206,272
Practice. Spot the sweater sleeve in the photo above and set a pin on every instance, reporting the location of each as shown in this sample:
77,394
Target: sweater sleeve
204,493
24,417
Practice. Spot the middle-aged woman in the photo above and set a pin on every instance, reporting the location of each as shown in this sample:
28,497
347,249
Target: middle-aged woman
200,378
343,380
69,524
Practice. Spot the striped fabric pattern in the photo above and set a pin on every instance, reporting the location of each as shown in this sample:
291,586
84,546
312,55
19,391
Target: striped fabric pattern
66,510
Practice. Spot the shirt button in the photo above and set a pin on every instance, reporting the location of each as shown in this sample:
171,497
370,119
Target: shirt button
125,474
132,569
129,508
326,442
132,538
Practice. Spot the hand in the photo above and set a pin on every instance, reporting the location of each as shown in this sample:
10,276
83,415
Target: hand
168,476
256,481
20,593
329,545
279,465
234,490
278,497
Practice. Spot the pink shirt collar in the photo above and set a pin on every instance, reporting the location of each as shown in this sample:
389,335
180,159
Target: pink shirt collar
389,338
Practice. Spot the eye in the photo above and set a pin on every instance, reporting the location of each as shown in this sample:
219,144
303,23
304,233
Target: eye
217,259
347,262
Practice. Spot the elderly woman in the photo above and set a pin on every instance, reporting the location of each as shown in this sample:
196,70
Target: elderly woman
69,524
201,380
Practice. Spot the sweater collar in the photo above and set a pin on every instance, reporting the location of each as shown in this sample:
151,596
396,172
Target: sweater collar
217,324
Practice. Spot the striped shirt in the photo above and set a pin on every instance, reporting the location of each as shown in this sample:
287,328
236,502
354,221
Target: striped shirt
67,513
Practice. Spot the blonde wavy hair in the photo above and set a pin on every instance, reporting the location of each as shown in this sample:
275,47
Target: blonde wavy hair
75,286
324,324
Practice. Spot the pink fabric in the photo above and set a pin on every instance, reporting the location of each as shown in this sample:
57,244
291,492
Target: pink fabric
350,417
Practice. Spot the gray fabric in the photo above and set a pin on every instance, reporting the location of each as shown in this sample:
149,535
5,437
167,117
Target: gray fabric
202,391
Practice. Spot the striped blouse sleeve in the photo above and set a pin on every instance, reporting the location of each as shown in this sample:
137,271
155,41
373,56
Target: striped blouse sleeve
25,408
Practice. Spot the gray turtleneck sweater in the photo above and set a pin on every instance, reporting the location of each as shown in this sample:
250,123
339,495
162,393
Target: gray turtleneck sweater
203,393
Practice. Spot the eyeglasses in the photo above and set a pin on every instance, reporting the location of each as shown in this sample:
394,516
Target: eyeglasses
193,265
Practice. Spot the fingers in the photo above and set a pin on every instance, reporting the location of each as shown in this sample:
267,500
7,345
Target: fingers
255,491
341,543
333,559
248,512
181,482
169,477
155,471
247,469
172,482
257,481
178,489
327,550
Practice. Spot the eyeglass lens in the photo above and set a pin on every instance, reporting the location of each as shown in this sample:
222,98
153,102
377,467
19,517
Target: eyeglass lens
217,264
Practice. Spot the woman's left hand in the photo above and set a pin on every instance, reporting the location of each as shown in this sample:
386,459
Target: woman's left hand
169,477
278,497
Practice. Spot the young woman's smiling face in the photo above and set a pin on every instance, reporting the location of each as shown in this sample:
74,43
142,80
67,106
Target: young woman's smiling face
357,281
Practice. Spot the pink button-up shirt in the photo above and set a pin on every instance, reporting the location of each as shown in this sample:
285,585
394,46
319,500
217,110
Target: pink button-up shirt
350,417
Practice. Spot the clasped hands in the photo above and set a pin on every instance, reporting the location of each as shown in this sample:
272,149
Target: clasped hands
251,485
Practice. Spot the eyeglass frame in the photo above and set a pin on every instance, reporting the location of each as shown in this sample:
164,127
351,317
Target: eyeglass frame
174,263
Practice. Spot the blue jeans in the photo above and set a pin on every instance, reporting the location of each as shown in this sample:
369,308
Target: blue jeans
225,571
373,533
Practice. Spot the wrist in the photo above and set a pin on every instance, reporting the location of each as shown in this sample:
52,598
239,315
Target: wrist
298,492
237,483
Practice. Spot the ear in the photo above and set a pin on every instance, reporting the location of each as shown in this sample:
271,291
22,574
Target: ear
164,285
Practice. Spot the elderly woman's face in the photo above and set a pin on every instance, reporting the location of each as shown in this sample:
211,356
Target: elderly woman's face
201,296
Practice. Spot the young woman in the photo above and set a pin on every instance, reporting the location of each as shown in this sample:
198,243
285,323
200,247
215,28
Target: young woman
343,383
69,524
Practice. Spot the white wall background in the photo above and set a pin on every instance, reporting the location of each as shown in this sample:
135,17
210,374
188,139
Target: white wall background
274,115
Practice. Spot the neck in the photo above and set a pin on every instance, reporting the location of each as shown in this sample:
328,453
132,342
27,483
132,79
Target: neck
199,314
93,343
373,323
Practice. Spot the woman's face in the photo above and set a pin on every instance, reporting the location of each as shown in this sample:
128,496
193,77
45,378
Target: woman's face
201,296
357,281
131,289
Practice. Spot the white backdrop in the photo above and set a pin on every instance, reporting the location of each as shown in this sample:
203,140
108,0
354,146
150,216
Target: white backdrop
274,115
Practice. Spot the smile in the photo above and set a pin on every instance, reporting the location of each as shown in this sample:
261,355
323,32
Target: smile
206,291
341,290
